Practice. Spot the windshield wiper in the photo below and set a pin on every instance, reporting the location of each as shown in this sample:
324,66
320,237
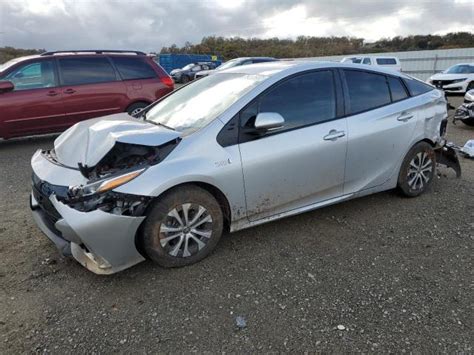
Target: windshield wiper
157,123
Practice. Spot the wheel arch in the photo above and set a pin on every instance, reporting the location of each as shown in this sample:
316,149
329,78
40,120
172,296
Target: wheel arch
137,101
213,190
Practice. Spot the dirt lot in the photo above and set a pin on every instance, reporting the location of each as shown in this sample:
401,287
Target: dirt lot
395,274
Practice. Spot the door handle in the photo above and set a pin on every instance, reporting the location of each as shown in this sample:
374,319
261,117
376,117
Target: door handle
69,91
334,135
405,116
52,93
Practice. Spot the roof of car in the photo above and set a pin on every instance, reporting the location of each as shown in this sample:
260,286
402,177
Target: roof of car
272,68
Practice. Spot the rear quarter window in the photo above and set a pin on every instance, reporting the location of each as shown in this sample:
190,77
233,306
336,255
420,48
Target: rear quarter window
133,68
417,87
397,89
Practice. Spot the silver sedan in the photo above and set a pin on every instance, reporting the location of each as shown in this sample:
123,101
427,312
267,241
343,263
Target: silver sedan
233,150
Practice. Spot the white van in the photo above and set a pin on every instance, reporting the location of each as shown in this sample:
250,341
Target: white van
388,62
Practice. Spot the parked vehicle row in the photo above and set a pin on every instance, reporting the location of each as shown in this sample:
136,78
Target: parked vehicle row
385,61
52,91
276,139
456,79
188,72
235,63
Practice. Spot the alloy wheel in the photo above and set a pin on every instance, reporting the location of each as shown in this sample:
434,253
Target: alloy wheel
419,171
186,230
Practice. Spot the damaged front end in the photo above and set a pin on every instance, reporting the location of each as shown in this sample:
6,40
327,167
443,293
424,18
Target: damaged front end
78,209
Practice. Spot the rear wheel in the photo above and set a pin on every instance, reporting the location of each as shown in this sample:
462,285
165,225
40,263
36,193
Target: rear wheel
417,171
183,227
135,108
185,79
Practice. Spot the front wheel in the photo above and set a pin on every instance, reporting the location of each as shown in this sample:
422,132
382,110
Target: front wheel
417,171
182,227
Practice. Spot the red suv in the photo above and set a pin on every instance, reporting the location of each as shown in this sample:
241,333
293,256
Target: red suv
52,91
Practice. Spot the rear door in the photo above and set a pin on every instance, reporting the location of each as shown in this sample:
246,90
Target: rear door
90,87
35,105
381,123
302,162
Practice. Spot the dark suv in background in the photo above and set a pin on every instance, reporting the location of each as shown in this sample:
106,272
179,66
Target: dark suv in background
52,91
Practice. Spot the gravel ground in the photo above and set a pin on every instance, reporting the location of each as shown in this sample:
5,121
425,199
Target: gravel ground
377,274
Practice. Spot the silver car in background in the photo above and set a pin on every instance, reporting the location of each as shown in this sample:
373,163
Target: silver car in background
233,150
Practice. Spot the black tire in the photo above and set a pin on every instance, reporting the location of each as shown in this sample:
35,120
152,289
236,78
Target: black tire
159,218
409,177
470,86
185,79
468,121
136,107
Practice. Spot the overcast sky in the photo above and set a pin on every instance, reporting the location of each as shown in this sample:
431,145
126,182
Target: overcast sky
150,24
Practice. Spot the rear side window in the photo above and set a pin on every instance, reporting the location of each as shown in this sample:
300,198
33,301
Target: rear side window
133,68
417,87
303,100
366,90
397,89
77,71
366,61
386,61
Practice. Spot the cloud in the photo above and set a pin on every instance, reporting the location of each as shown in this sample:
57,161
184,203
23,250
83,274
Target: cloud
150,24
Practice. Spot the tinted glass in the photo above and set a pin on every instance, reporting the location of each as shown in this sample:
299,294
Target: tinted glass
461,69
77,71
366,61
197,104
34,75
133,68
366,90
397,89
417,87
386,61
303,100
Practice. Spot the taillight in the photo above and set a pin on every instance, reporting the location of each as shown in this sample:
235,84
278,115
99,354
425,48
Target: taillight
168,81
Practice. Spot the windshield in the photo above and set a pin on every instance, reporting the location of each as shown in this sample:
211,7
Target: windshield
460,69
187,67
197,104
229,64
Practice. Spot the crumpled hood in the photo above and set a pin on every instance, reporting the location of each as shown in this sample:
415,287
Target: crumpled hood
442,76
87,142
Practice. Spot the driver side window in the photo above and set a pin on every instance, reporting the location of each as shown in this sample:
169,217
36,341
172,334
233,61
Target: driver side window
33,75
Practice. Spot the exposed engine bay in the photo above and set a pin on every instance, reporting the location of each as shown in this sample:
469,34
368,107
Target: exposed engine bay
122,160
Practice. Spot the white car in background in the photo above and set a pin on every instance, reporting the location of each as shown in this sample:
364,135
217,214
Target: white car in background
458,78
388,62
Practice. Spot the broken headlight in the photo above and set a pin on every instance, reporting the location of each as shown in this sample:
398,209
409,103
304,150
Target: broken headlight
106,184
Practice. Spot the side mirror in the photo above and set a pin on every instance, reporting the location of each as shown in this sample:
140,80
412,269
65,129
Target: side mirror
6,86
269,120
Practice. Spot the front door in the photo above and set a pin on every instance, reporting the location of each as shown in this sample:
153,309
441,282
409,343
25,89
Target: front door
302,162
35,105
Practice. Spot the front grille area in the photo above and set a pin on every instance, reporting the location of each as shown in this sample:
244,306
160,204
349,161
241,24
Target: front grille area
41,191
441,83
